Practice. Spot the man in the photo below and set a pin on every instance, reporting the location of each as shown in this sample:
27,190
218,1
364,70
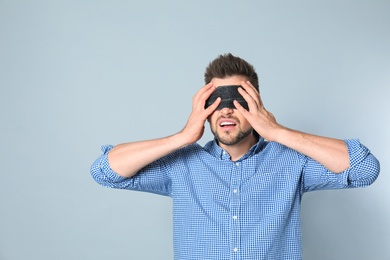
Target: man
238,197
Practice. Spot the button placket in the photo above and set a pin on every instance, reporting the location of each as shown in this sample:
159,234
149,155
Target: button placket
234,210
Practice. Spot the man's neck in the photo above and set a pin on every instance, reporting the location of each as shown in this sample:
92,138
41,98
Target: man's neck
238,150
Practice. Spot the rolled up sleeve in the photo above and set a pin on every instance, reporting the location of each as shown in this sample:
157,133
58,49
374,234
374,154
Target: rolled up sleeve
364,167
102,173
363,170
153,178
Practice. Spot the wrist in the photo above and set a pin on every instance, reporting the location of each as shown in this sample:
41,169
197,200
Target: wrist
181,139
276,134
285,135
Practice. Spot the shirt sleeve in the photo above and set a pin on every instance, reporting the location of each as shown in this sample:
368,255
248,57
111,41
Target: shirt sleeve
363,171
153,178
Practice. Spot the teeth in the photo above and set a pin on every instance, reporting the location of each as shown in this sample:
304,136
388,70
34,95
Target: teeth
227,123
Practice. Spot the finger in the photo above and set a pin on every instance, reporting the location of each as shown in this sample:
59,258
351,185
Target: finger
207,88
253,104
239,107
213,106
202,95
247,85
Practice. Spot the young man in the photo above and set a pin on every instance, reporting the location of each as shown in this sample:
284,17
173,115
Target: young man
238,197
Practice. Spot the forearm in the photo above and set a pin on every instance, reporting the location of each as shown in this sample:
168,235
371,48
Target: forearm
331,153
128,158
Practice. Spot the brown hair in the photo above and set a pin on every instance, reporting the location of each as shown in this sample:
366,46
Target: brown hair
227,65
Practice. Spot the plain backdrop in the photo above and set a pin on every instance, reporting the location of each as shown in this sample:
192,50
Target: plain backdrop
75,75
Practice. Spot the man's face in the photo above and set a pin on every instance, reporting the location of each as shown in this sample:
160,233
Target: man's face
228,125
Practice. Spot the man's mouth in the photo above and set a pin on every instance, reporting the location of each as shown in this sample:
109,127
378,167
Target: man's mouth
227,123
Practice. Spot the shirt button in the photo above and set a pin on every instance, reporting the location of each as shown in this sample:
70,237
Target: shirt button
237,164
234,217
235,249
235,191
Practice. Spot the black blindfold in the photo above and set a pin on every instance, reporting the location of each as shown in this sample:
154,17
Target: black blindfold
228,94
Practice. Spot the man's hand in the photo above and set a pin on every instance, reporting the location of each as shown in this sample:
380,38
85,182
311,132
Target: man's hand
128,158
262,121
331,153
194,128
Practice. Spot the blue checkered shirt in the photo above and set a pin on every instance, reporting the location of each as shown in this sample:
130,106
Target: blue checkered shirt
247,209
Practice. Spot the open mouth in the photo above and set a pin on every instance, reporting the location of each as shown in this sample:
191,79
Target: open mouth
227,124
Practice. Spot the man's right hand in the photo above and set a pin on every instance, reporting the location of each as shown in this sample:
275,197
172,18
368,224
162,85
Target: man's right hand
128,158
194,128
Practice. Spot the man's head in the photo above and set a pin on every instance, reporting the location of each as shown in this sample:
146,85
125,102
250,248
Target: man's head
227,65
227,124
230,70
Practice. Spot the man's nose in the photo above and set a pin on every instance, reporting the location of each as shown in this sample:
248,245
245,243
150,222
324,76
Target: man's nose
227,111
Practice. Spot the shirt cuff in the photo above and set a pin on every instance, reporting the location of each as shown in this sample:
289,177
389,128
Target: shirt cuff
357,152
105,166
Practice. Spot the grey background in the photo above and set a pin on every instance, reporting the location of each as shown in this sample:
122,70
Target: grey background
75,75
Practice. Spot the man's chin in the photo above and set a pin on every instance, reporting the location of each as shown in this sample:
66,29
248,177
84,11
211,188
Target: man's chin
228,138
